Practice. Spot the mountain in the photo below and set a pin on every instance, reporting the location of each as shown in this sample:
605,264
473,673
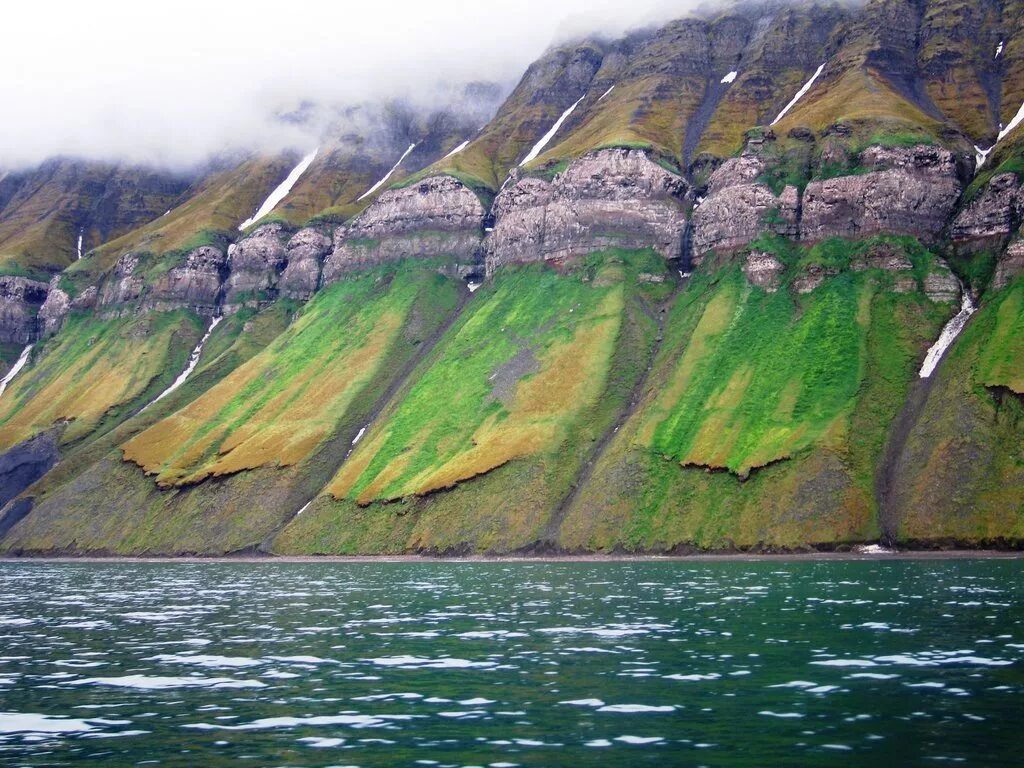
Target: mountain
749,280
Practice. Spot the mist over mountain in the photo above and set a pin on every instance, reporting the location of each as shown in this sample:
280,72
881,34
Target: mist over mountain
169,85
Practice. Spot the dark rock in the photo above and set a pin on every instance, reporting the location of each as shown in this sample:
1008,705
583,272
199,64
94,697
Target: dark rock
20,300
25,463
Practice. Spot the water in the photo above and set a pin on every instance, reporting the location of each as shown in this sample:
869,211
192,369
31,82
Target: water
732,663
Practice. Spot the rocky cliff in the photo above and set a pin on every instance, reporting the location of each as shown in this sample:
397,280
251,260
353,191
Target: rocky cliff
614,198
433,218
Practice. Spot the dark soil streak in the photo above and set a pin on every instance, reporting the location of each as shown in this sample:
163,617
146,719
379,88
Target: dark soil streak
548,539
345,440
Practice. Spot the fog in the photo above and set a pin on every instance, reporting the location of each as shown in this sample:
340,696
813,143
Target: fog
171,83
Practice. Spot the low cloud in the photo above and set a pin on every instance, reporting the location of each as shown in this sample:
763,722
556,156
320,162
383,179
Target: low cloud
171,83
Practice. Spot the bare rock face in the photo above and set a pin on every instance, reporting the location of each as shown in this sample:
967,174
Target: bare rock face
124,285
20,300
305,255
255,264
1010,264
993,213
941,285
763,270
195,283
54,309
882,256
738,208
609,198
912,192
812,276
439,216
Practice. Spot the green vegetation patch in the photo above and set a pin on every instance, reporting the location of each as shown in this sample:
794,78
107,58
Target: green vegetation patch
96,372
1001,362
284,402
529,355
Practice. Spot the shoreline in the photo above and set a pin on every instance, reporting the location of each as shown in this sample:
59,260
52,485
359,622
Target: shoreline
910,554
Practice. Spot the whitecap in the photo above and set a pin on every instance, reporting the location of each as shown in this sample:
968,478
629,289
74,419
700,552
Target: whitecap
783,715
153,683
321,742
418,662
639,739
202,660
635,708
584,702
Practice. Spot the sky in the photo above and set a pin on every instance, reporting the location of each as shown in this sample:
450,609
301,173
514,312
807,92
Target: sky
170,83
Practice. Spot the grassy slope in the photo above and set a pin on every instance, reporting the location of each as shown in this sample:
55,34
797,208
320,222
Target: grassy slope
220,204
962,473
238,511
490,435
277,408
38,231
825,405
95,373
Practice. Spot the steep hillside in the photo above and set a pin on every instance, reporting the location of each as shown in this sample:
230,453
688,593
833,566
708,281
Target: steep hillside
747,280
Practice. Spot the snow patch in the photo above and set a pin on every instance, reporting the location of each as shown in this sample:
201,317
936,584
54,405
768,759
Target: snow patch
606,93
799,94
1012,124
359,436
980,156
948,335
874,549
193,361
16,368
999,50
387,175
458,149
282,190
550,134
730,77
80,244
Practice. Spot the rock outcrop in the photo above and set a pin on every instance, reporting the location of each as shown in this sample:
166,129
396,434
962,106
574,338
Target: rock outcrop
124,285
609,198
195,283
305,253
763,270
20,300
1009,265
908,191
738,208
437,217
941,285
993,213
255,265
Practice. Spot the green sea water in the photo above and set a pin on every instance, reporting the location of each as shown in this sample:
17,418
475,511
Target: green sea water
724,663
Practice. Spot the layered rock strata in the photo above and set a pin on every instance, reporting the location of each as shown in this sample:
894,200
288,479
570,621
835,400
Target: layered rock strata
609,198
437,217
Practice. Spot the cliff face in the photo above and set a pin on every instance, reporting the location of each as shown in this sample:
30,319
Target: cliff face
437,217
20,300
738,206
908,191
615,198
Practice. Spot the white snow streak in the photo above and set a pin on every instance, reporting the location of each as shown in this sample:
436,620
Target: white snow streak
980,156
949,333
730,77
282,190
458,149
193,361
999,50
304,507
387,175
1012,124
606,93
359,436
473,286
799,94
550,134
16,368
79,245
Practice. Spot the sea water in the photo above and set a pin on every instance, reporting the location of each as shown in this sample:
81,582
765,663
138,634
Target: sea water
734,663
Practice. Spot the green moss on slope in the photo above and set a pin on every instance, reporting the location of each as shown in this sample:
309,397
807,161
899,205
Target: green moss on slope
483,445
